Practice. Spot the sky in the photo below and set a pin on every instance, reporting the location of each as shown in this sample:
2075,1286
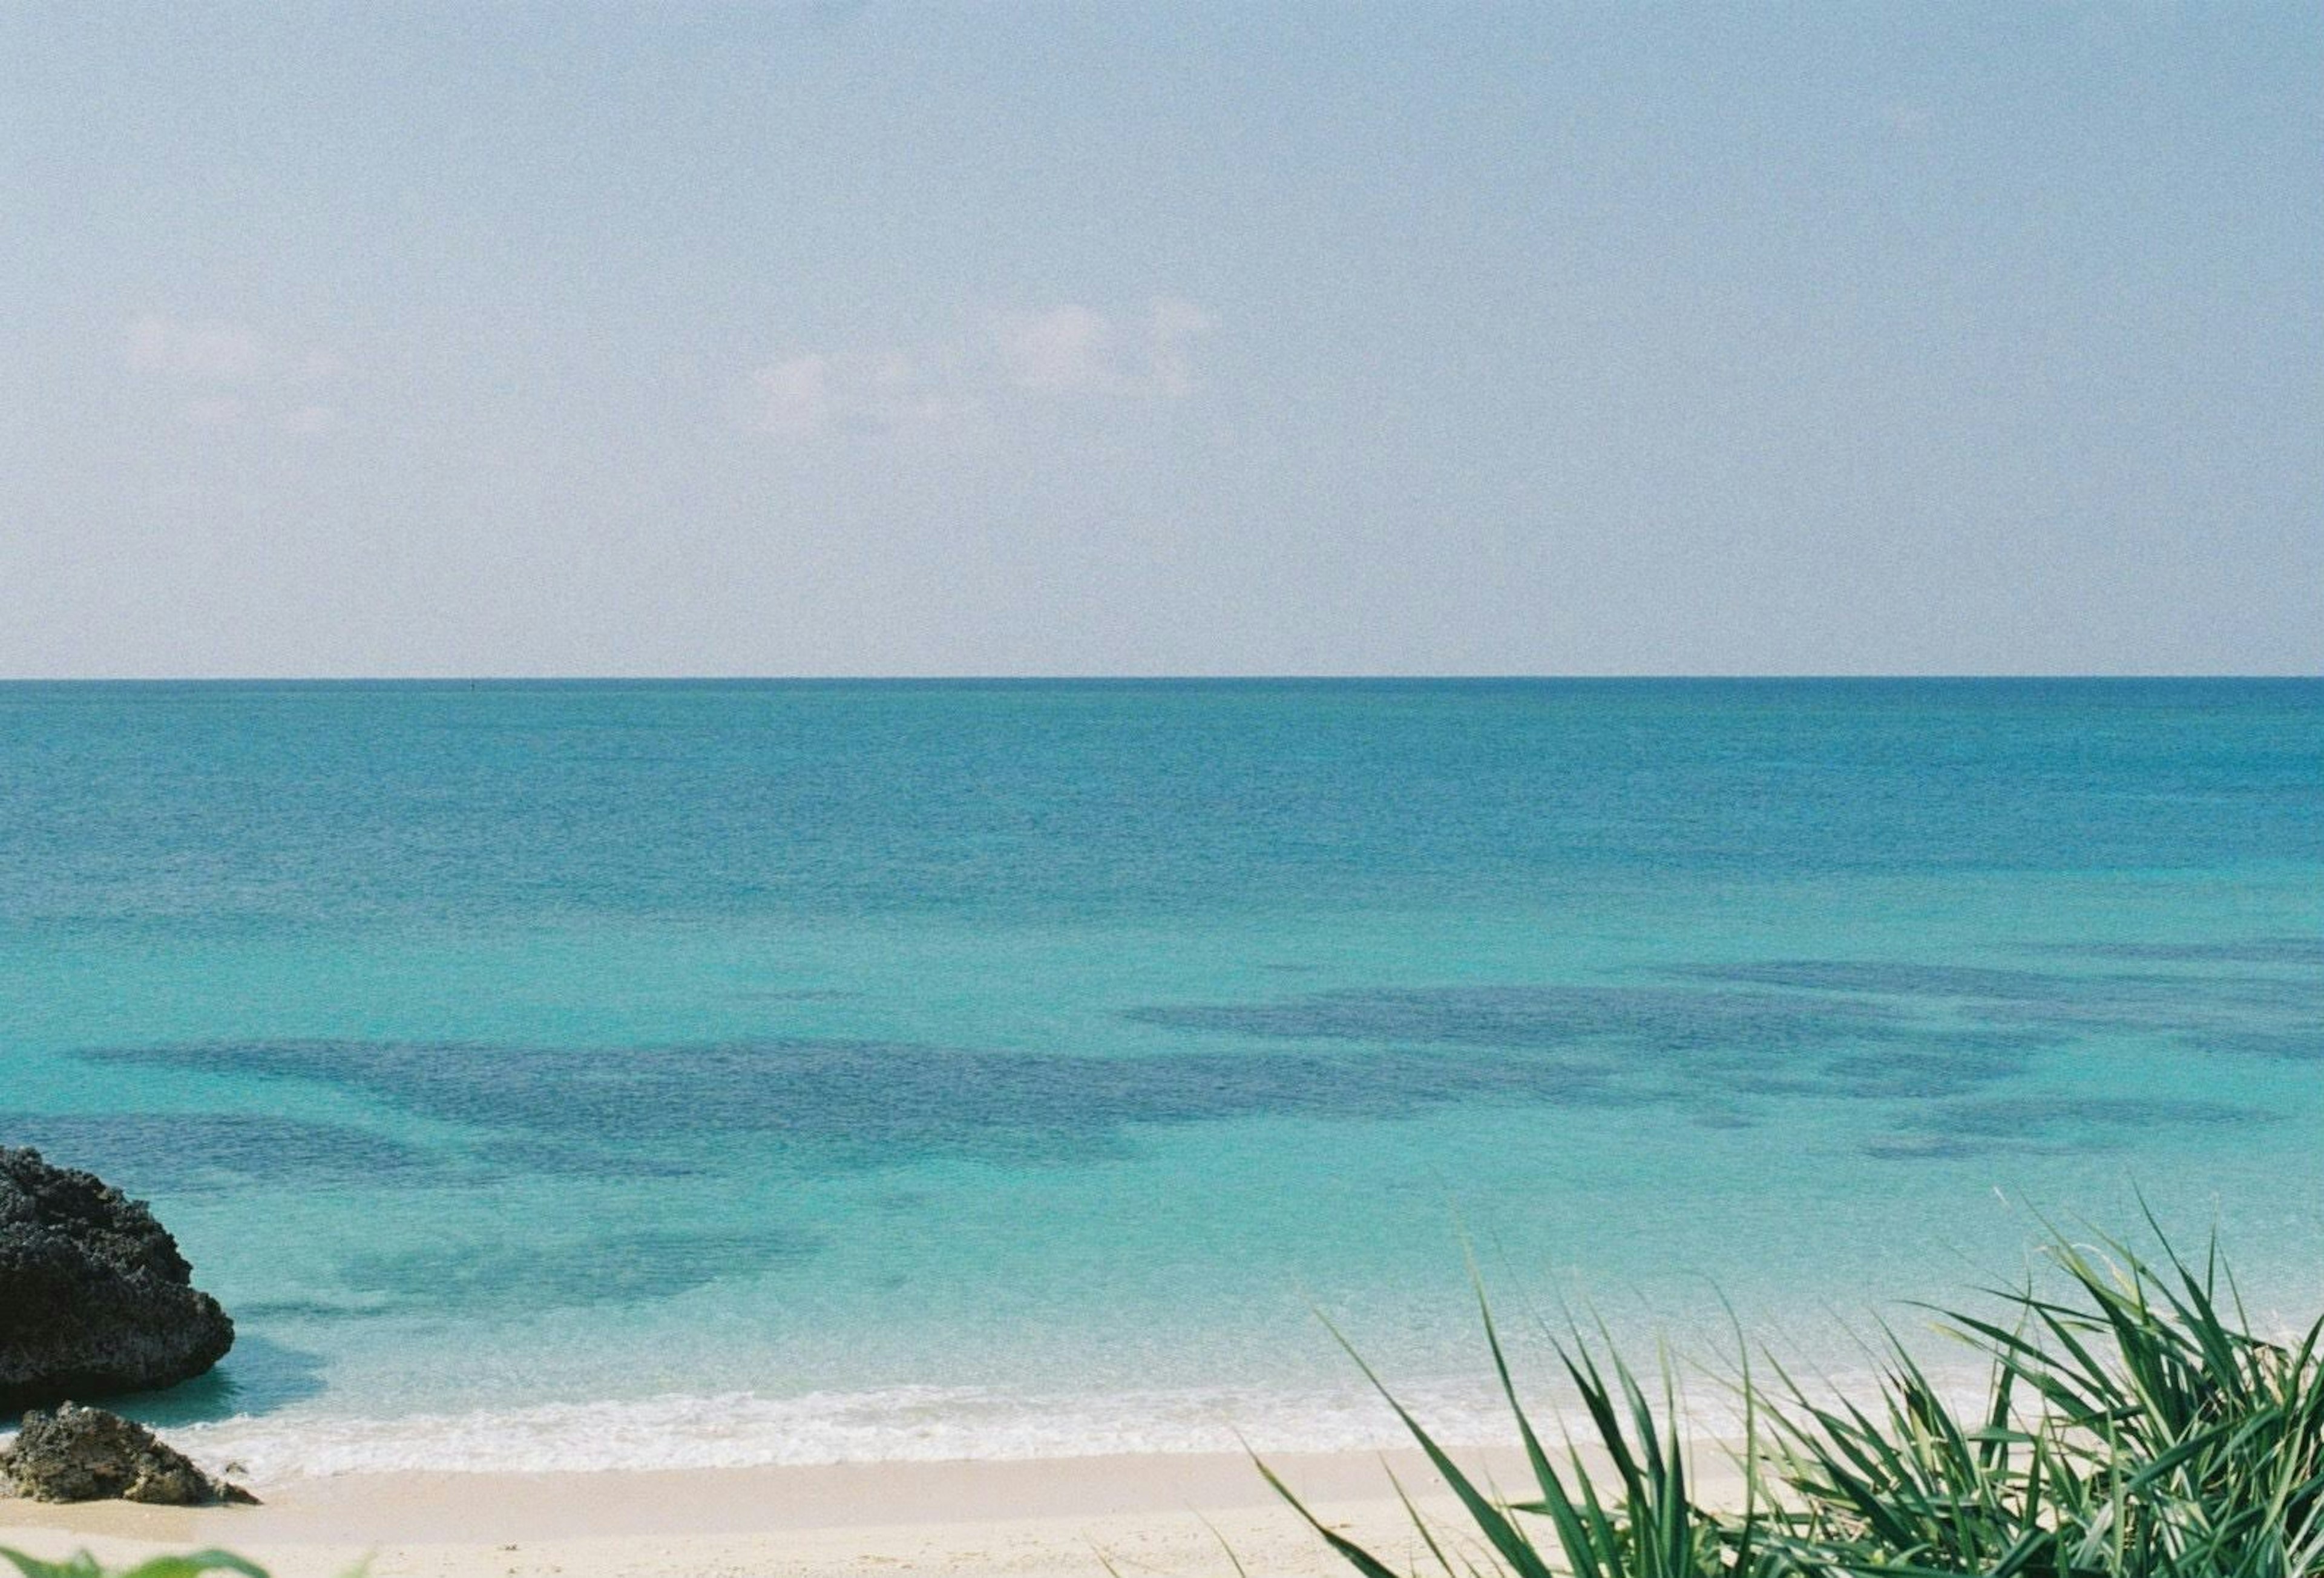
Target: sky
1142,339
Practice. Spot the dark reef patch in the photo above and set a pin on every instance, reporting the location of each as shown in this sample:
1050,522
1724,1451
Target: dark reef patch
516,1277
1921,1147
2051,1124
875,1103
2265,993
1944,1066
2043,1116
2271,950
1650,1019
1918,1035
527,1155
2271,1016
1925,1036
2149,997
2304,1044
183,1152
1883,979
1657,1043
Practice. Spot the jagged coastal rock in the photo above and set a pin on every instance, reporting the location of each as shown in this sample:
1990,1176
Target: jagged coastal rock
86,1454
95,1299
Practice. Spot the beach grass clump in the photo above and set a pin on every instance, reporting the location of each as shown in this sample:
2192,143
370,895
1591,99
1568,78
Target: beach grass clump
2133,1426
81,1565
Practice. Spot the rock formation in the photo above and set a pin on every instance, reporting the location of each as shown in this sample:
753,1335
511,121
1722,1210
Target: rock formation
86,1454
95,1299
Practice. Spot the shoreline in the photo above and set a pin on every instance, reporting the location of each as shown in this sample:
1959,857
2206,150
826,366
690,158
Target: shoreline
1021,1518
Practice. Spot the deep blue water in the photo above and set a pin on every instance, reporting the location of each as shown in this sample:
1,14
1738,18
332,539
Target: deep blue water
927,1068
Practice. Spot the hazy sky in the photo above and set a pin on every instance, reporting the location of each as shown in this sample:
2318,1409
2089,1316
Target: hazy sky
1107,338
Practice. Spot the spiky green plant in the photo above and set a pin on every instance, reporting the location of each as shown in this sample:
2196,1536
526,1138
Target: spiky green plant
1644,1523
81,1565
2133,1426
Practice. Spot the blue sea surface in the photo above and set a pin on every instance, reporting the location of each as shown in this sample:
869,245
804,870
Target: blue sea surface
581,1074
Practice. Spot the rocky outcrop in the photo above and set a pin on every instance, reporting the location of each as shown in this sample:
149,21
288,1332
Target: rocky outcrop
95,1299
86,1454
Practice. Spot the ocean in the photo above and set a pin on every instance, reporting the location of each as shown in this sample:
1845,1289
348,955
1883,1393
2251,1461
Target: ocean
593,1074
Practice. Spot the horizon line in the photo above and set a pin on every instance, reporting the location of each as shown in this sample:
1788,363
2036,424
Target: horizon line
1169,679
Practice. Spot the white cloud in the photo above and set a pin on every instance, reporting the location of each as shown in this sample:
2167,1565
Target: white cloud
220,374
1059,349
215,410
1909,120
199,353
887,391
315,367
1018,362
1170,328
794,397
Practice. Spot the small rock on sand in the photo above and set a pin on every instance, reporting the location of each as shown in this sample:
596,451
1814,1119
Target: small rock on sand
88,1454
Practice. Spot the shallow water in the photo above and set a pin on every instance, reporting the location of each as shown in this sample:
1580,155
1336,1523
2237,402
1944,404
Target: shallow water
588,1074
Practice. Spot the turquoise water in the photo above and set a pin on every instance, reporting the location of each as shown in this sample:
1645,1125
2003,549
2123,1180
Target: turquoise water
582,1074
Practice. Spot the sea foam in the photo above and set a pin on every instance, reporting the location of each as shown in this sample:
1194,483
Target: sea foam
746,1430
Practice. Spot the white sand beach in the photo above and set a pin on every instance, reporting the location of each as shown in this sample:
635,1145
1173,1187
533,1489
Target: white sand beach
1020,1519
